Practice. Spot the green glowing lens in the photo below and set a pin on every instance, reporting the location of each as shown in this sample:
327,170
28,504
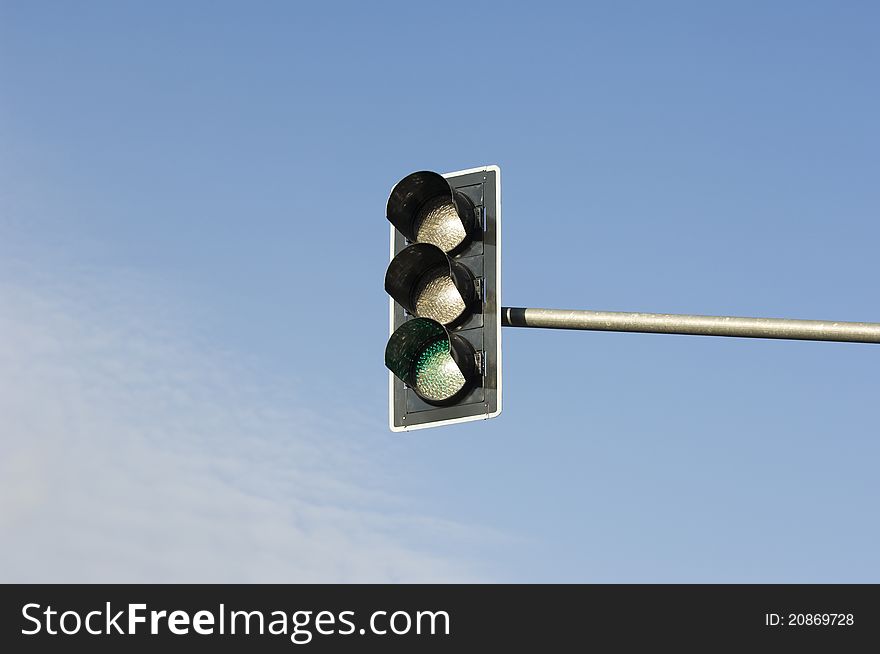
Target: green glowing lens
437,376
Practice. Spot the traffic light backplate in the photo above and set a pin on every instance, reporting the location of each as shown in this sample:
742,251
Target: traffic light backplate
434,342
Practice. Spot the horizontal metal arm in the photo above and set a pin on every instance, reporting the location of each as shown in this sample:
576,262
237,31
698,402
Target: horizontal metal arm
664,323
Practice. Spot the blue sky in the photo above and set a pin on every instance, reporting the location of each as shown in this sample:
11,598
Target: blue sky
192,319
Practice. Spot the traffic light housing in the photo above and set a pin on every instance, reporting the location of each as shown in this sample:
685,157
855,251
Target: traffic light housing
444,279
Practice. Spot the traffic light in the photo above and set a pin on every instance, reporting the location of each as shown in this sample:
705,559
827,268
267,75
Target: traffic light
444,279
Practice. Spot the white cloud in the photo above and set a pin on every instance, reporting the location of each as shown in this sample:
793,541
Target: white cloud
129,453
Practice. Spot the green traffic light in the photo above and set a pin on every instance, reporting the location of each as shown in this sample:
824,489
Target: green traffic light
437,376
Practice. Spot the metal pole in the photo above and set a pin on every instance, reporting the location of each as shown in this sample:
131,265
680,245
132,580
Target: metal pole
663,323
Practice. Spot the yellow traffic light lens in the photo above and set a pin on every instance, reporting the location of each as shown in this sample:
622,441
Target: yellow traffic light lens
438,223
437,297
437,376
